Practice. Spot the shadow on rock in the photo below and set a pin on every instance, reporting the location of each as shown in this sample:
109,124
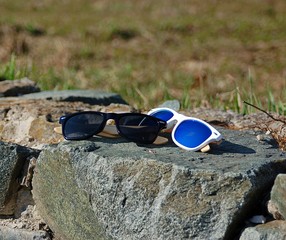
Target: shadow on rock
230,147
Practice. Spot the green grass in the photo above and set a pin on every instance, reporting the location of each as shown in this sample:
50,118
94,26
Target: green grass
10,70
214,53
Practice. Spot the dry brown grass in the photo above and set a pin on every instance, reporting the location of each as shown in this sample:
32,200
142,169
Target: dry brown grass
200,52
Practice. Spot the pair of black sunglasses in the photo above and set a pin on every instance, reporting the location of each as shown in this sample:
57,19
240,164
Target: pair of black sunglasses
136,127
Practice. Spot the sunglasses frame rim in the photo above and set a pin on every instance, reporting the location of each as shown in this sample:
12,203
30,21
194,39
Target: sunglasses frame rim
178,118
171,122
161,124
63,120
214,137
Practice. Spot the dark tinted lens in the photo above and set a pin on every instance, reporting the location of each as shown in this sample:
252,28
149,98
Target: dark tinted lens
82,125
163,115
139,128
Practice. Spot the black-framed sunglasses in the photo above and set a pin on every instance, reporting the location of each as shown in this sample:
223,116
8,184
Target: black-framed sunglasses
136,127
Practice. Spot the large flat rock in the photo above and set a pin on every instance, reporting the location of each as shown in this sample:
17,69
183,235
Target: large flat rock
94,97
114,189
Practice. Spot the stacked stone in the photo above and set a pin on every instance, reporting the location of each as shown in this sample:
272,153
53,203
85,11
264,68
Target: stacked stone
113,189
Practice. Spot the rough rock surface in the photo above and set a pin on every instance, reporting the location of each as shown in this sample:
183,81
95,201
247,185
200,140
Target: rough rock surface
13,159
278,195
17,87
274,230
7,233
114,189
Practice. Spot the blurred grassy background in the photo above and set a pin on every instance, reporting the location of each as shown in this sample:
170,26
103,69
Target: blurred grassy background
213,53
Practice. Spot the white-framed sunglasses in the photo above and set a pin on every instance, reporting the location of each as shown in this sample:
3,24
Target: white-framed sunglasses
189,133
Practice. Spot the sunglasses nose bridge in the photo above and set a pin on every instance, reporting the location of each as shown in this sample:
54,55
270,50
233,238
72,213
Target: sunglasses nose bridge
180,117
110,115
177,119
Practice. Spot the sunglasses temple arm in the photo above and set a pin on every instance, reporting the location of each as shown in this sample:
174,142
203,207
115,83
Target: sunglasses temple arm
58,130
109,134
110,129
216,136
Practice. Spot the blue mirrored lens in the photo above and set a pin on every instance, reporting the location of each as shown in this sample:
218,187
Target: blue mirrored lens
192,133
163,115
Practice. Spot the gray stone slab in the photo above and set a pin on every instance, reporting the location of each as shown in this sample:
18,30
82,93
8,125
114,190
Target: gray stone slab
275,230
126,191
12,160
7,233
278,195
93,97
173,104
17,87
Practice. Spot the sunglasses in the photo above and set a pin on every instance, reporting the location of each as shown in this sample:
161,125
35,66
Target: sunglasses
136,127
187,132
